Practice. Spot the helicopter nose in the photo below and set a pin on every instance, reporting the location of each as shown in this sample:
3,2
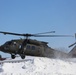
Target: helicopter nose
1,48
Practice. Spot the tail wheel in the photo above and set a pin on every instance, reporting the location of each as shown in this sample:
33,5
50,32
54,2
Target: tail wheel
12,56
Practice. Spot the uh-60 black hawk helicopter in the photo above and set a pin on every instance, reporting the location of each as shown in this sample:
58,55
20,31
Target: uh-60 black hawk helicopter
30,47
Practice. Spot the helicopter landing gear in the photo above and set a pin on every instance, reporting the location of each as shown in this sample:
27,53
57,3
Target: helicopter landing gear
22,53
13,56
22,56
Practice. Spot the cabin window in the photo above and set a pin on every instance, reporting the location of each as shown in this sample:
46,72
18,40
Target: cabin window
20,46
28,47
33,47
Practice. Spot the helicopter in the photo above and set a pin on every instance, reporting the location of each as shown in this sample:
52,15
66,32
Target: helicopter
31,47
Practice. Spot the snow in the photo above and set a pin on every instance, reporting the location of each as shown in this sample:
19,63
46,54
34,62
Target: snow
40,66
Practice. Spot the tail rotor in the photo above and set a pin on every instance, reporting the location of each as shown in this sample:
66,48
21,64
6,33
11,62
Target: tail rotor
73,43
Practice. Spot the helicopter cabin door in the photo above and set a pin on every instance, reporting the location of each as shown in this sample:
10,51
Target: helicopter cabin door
32,50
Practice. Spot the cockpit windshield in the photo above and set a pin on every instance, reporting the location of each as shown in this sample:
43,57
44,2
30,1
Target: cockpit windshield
8,43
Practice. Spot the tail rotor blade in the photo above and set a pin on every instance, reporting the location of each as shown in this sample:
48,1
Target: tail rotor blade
72,44
75,36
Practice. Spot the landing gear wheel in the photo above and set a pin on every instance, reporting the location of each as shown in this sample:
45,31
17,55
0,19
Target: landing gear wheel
12,56
23,56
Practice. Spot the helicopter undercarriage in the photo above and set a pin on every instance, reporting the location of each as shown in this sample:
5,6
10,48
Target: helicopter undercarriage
21,53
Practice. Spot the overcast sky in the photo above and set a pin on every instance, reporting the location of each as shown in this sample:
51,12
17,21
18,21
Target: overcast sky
35,16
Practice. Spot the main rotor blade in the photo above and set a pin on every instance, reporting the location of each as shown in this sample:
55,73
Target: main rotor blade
17,34
10,33
53,36
45,32
35,35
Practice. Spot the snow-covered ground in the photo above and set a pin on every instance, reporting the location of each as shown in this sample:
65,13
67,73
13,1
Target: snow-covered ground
40,66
